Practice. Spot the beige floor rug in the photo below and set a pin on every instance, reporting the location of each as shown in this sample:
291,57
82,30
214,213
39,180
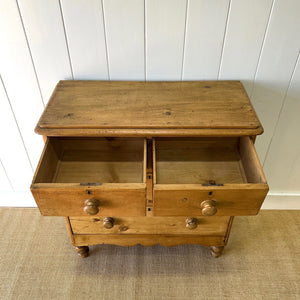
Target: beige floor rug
261,261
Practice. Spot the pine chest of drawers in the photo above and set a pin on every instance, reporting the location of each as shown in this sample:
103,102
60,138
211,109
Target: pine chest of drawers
149,162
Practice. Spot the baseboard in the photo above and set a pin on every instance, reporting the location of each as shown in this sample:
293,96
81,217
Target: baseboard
17,199
281,201
273,200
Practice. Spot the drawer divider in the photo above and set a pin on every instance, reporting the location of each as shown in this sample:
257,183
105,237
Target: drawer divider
149,179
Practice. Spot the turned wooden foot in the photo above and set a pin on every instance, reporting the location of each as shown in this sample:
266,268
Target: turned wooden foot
216,251
82,251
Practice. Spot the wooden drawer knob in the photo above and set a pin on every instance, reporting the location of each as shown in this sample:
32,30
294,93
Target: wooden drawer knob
91,206
208,208
191,223
108,222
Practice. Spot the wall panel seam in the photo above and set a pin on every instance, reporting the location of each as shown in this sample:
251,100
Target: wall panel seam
66,38
30,53
282,106
12,111
184,37
105,39
224,38
261,48
1,163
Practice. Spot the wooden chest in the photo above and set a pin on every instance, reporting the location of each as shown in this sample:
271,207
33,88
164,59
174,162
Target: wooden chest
149,162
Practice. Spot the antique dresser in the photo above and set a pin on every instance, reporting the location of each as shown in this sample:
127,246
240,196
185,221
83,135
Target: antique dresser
149,163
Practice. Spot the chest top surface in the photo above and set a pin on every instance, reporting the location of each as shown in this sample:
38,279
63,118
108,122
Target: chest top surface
128,108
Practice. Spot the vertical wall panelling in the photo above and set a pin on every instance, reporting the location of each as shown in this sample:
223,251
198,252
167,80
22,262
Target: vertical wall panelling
45,31
165,30
206,22
12,152
256,41
282,164
20,83
124,24
86,38
246,28
4,181
275,68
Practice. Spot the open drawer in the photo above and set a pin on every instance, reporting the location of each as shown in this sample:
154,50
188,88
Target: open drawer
91,176
207,176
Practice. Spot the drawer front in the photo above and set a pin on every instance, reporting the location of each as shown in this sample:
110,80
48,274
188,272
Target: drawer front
207,177
91,176
105,200
151,225
237,200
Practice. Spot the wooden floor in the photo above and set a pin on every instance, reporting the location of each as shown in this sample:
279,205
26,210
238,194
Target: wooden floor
261,261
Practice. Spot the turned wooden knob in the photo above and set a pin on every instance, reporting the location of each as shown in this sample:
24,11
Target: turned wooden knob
208,208
191,223
108,222
91,206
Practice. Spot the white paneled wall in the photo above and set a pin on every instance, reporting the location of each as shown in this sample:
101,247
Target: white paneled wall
275,67
85,35
124,27
45,32
256,41
13,153
204,44
5,185
242,44
282,162
165,26
21,84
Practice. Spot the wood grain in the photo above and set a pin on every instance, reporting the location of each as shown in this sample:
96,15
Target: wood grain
152,191
150,225
147,240
250,161
184,169
246,22
62,199
48,164
111,171
186,199
99,171
192,161
149,178
96,160
149,132
147,106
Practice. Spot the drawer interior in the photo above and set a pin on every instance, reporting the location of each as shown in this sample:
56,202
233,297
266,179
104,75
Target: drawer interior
92,160
205,161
